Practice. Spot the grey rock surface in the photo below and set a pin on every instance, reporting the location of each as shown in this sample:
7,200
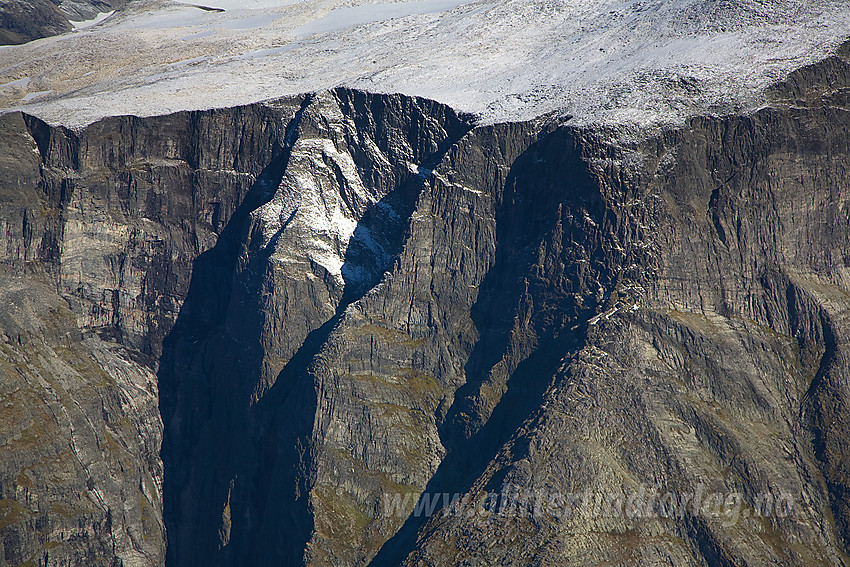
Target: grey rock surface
100,230
322,303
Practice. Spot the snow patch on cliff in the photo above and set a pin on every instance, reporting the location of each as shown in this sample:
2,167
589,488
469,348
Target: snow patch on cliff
315,210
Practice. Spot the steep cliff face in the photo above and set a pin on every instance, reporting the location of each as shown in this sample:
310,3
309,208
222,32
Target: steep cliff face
100,231
350,309
239,376
712,365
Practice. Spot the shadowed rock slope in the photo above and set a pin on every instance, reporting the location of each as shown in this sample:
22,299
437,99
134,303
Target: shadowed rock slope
26,20
330,310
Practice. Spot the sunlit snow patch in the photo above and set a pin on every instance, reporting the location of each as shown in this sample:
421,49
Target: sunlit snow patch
19,83
32,96
89,23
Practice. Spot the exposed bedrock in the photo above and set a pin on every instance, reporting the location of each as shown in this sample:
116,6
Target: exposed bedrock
253,328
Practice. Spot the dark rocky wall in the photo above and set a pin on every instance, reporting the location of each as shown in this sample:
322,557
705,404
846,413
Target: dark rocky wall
336,297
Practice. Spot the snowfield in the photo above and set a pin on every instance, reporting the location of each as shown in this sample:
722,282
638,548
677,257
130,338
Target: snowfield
642,62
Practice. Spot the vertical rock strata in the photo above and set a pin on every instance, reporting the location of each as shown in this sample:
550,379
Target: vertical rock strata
713,359
100,230
319,304
242,371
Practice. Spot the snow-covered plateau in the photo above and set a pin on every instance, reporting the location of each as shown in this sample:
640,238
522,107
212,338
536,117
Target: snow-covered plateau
601,61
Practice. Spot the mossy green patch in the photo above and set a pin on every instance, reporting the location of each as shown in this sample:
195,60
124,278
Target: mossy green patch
38,434
419,382
381,479
150,523
419,385
65,511
12,512
111,445
24,481
85,366
342,518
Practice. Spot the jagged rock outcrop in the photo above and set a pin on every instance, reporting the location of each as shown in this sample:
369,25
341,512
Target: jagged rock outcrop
342,302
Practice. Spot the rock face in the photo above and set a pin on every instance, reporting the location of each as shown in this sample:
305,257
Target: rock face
22,21
348,310
100,231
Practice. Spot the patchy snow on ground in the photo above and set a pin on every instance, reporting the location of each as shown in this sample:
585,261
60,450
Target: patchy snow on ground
602,61
89,23
231,5
32,96
23,83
